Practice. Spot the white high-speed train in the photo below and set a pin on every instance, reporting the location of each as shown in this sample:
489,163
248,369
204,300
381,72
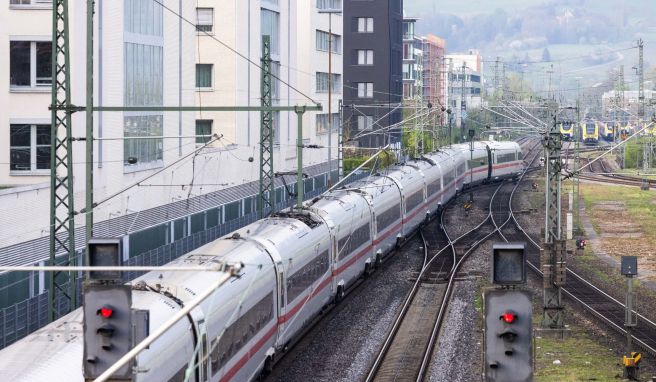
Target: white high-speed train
295,264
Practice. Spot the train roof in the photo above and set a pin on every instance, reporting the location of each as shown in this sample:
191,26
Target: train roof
52,353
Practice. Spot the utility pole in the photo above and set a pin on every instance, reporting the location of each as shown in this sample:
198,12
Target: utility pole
550,71
330,89
62,218
340,142
496,79
88,209
646,139
552,256
267,186
330,98
462,104
452,92
496,89
300,183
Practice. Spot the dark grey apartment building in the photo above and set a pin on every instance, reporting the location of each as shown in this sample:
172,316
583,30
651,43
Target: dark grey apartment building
373,72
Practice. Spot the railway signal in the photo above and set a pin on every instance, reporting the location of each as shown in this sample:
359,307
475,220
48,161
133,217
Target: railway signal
107,313
508,336
631,361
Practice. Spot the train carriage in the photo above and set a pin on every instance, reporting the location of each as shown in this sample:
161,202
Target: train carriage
608,133
590,134
567,130
478,164
349,217
294,264
410,181
508,160
384,196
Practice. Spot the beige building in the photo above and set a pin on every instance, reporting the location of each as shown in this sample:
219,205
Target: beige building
299,45
149,56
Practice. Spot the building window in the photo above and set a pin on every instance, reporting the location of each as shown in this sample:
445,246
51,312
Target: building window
270,26
31,3
365,57
323,123
365,90
29,147
204,76
30,63
324,43
365,122
365,24
205,19
143,82
329,4
322,83
144,17
203,127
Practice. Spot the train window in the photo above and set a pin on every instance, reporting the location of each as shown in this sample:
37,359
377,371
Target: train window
477,162
449,177
303,278
504,158
461,168
388,217
520,155
434,187
414,200
239,333
350,243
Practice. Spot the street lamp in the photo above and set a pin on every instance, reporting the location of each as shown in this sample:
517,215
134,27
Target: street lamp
330,12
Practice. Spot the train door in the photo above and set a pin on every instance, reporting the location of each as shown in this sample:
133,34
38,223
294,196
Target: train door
489,162
282,306
203,353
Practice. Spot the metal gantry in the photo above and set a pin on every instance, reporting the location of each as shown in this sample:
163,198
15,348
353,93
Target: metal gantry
62,222
267,187
553,255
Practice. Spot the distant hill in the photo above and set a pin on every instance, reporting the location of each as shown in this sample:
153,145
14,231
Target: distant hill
520,31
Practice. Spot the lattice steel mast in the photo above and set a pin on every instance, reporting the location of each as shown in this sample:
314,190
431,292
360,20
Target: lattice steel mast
553,255
62,223
267,187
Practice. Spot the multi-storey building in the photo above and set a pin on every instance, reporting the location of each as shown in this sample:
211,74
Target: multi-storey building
373,74
299,37
143,57
434,84
413,62
465,84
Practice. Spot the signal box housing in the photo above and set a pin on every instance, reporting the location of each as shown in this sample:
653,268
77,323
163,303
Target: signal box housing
508,336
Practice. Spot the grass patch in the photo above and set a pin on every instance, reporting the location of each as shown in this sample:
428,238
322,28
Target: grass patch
581,357
640,205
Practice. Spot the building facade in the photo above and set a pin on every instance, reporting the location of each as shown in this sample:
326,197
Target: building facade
434,84
413,62
300,38
465,85
373,72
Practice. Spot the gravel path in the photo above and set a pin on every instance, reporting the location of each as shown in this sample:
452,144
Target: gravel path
342,346
457,356
457,222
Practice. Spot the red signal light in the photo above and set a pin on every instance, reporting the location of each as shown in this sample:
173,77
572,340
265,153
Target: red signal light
509,317
106,312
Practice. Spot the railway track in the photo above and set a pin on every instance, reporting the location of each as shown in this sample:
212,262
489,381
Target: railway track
407,350
601,305
599,172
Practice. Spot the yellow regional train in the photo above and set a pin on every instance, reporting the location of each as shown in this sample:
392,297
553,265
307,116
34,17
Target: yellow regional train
590,130
607,130
567,131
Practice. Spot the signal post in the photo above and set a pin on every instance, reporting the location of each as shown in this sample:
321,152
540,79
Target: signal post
508,312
